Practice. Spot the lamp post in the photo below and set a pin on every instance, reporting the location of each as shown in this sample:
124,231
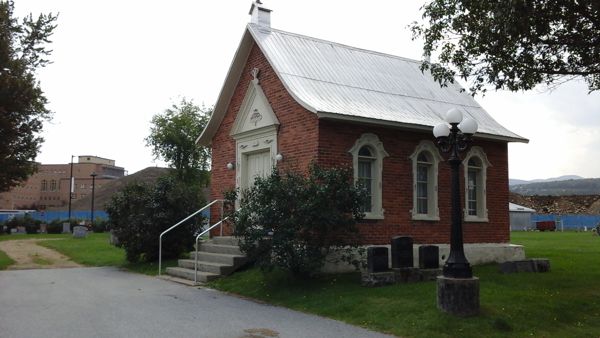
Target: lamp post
458,290
93,174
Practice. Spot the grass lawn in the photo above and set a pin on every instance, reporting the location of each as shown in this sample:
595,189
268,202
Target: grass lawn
94,250
562,303
5,261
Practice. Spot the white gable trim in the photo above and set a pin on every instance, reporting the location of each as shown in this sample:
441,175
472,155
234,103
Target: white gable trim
255,113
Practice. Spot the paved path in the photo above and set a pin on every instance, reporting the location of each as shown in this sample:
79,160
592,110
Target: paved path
27,254
106,302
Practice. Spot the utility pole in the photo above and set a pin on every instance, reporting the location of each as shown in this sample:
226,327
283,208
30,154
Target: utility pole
71,186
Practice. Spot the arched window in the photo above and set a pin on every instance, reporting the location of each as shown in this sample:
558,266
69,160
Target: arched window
475,165
367,157
44,185
53,185
425,161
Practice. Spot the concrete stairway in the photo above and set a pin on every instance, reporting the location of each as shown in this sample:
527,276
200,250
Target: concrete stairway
217,257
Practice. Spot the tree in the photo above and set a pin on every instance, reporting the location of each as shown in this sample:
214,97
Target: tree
514,44
173,138
22,101
293,222
140,212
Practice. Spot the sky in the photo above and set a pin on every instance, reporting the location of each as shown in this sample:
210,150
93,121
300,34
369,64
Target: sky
118,63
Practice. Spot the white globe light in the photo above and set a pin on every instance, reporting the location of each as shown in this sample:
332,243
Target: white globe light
441,130
453,116
468,126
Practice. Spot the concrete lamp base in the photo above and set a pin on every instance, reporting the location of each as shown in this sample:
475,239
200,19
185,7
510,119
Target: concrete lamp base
458,296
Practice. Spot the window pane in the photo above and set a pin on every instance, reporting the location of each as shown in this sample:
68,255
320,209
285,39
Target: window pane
422,188
365,151
365,180
472,191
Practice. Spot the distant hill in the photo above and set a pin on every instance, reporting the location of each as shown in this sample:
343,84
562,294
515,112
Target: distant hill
584,186
515,181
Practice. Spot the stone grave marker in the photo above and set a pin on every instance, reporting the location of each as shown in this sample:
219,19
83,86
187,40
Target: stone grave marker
79,231
429,257
402,252
377,259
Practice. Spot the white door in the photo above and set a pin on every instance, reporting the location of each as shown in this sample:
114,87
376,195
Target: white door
256,165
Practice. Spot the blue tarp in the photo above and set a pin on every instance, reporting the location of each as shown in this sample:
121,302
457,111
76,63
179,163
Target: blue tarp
49,216
570,222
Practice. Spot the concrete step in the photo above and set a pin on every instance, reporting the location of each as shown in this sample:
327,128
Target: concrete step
235,260
178,280
216,268
188,274
219,248
225,240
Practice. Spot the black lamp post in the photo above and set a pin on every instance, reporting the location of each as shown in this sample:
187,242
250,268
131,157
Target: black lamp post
93,174
453,140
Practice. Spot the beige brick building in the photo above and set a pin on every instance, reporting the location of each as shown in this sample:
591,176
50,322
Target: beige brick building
49,187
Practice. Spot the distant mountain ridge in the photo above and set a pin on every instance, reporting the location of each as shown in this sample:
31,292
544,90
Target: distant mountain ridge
516,181
581,186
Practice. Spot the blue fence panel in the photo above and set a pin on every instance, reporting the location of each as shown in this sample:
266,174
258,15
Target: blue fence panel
49,216
568,222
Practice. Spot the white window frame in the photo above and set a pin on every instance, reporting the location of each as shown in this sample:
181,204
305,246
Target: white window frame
482,211
373,142
433,211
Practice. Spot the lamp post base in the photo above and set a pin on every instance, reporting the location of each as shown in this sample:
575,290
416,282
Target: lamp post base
458,296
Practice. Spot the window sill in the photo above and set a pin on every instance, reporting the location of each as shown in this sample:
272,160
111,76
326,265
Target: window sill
371,215
422,217
475,219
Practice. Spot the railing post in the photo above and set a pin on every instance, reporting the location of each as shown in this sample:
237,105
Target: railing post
159,254
222,208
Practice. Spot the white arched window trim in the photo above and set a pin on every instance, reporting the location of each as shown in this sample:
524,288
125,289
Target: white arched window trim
376,145
433,213
482,211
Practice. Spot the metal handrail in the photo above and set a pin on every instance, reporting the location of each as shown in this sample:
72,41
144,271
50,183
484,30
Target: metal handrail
197,238
180,222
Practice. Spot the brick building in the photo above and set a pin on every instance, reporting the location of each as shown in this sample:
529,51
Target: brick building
48,188
290,99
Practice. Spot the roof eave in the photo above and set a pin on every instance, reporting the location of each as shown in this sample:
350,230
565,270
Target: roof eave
410,126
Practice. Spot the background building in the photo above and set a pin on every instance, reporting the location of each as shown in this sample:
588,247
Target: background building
48,188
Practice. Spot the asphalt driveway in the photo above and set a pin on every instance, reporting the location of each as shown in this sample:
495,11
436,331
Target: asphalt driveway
107,302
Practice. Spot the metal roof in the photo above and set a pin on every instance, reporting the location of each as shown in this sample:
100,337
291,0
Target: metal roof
519,208
336,81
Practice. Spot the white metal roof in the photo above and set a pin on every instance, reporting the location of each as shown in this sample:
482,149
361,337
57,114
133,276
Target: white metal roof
518,208
341,82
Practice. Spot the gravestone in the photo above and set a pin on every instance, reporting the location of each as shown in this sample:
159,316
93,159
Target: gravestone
429,257
66,228
377,259
79,232
43,228
402,252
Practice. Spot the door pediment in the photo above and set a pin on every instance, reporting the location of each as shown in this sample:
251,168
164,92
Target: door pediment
255,114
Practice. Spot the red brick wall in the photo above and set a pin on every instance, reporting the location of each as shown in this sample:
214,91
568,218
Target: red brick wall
303,138
336,138
296,137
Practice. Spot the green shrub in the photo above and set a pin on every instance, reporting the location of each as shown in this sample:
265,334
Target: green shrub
294,222
100,225
31,225
140,212
32,228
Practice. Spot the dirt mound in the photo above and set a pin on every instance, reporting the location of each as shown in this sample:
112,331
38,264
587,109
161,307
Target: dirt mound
576,204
